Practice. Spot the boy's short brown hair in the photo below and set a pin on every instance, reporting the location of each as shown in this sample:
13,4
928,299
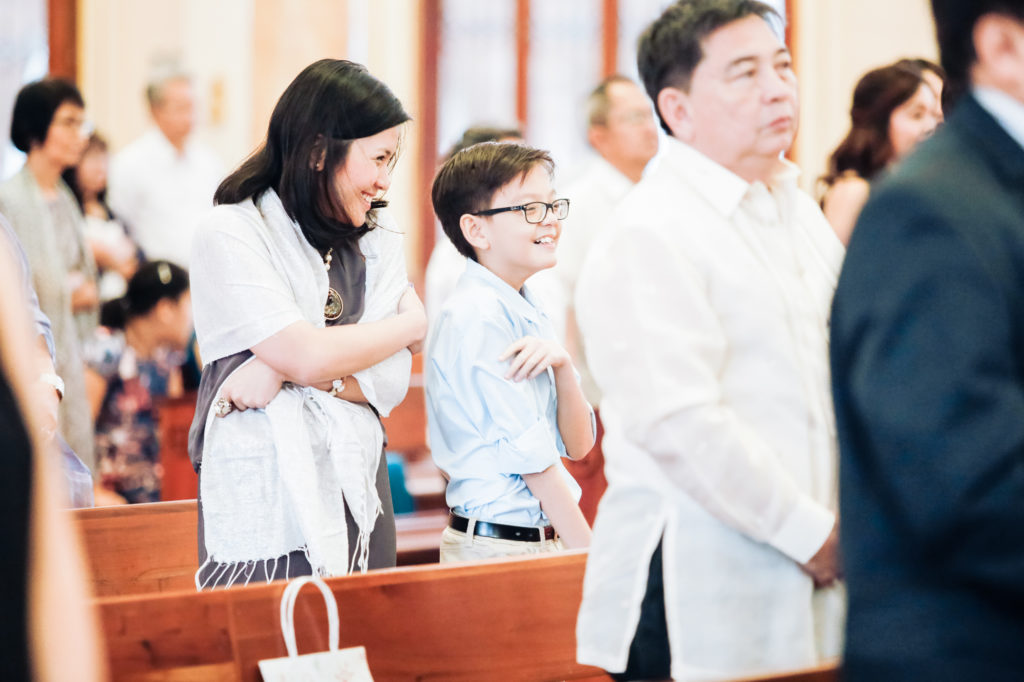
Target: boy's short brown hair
467,182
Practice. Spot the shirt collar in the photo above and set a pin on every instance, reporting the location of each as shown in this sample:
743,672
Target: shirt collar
722,188
524,305
164,147
1006,110
615,183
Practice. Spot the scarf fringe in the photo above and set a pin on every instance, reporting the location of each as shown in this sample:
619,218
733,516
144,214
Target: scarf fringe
236,570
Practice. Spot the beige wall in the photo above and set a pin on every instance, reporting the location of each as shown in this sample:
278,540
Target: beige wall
243,53
836,42
121,42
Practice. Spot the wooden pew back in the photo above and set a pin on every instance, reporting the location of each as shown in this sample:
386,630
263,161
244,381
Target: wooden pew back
510,619
140,548
147,548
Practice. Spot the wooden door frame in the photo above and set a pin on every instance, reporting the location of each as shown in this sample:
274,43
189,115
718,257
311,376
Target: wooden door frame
62,38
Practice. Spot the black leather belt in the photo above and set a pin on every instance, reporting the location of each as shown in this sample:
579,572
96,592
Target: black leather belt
502,531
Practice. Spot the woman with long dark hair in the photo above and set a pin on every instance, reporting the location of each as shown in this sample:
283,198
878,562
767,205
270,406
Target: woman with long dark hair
303,311
894,108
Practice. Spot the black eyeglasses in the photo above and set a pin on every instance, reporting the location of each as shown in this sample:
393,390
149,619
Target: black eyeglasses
535,211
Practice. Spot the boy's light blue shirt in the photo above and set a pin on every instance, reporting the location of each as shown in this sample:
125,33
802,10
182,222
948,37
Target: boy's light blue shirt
486,431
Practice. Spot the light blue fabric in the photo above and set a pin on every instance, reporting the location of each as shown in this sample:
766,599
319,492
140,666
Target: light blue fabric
485,430
18,253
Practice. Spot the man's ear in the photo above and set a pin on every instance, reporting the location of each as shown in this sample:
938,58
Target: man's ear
597,134
674,107
473,230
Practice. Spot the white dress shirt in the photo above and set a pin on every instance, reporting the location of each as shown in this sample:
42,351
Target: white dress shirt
1007,110
161,194
593,196
705,316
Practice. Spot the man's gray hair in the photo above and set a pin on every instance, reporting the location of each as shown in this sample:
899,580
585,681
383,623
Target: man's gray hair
599,102
160,78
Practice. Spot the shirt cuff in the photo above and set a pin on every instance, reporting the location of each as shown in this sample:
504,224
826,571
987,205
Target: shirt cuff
804,530
530,452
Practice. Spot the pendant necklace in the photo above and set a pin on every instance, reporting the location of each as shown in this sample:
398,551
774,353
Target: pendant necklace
335,305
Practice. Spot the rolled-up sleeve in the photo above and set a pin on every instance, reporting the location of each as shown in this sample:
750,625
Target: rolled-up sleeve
496,415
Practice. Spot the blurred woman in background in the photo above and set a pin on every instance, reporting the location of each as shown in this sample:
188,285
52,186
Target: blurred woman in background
48,124
894,108
132,365
116,255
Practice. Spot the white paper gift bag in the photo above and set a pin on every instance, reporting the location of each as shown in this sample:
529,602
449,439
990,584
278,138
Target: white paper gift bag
335,665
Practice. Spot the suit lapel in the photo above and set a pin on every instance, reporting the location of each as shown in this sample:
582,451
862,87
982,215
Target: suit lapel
983,133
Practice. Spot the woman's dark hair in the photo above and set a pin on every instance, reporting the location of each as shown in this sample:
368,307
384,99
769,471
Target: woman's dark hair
927,65
866,149
467,182
330,104
70,174
152,282
34,108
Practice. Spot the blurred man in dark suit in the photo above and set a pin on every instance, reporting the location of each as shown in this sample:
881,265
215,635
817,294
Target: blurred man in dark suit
928,370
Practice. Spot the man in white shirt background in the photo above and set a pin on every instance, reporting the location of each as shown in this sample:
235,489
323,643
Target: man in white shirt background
622,131
163,182
705,318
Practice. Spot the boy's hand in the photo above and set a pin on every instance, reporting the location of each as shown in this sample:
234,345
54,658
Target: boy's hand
533,356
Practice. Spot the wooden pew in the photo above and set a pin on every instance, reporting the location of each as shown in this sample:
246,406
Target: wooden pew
508,619
147,548
175,418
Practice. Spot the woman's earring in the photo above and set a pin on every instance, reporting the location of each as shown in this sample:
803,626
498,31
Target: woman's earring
319,166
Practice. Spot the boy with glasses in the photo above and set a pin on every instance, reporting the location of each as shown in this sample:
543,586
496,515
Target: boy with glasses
504,403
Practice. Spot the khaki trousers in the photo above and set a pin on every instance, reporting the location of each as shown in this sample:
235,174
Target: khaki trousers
459,546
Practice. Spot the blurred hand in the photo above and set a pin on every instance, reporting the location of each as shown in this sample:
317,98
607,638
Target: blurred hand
531,356
85,296
825,566
105,497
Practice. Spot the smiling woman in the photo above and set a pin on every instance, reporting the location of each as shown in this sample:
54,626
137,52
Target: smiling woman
303,311
894,107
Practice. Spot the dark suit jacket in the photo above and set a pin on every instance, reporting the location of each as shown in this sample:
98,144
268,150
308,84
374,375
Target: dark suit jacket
927,359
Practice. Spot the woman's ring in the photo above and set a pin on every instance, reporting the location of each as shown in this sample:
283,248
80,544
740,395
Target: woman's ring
223,407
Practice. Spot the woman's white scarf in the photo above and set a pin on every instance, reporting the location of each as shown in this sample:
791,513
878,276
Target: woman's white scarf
277,480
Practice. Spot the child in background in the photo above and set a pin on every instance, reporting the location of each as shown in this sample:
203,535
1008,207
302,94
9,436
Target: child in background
132,364
504,403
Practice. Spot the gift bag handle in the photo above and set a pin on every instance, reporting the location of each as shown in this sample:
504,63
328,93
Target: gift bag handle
291,593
